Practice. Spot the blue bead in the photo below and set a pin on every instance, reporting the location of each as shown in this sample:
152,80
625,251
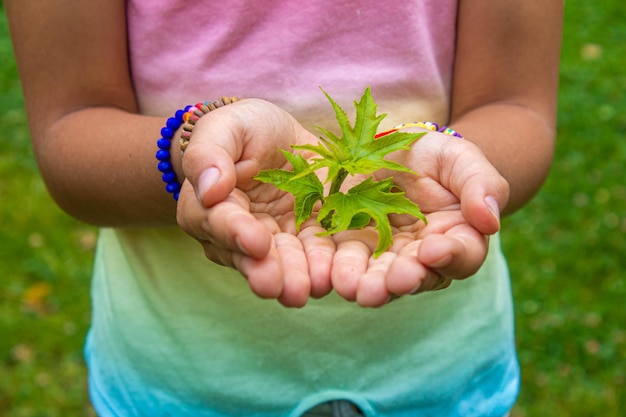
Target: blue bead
164,166
179,115
163,155
164,143
167,133
172,187
172,123
168,176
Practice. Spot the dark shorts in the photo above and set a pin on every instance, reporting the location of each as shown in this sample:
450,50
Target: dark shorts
338,408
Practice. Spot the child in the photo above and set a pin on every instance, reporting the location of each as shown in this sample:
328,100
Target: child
175,333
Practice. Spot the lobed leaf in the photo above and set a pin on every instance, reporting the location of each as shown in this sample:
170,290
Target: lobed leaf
376,200
307,190
357,151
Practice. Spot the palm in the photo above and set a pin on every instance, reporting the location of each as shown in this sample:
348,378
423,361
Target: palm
453,243
251,226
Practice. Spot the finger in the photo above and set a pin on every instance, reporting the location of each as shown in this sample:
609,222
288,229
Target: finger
231,144
457,254
406,273
228,224
209,160
265,276
319,252
349,264
296,282
456,171
482,191
424,279
481,205
237,229
372,288
434,282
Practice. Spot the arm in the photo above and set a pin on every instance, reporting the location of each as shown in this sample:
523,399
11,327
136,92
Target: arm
95,153
505,87
504,103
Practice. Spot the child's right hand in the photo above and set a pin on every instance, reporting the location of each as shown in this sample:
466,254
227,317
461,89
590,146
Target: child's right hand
246,224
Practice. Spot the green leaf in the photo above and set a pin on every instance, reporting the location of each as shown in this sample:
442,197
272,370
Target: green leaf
371,157
365,125
376,200
307,190
356,151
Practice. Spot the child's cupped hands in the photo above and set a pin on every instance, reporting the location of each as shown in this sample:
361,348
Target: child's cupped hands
250,226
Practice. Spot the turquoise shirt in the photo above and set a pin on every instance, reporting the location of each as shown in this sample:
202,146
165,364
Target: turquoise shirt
175,335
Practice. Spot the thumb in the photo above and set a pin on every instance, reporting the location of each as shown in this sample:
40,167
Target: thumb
483,196
478,185
209,160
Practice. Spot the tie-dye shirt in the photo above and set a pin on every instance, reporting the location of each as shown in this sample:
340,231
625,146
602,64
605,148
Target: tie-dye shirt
176,335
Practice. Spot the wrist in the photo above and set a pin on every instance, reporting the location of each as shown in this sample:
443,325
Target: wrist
175,136
168,155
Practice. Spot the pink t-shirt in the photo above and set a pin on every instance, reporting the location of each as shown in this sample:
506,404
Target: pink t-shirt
283,51
176,335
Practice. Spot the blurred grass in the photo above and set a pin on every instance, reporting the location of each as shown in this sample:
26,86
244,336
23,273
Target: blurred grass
45,259
566,250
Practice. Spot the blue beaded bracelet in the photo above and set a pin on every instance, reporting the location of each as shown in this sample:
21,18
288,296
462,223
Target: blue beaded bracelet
163,155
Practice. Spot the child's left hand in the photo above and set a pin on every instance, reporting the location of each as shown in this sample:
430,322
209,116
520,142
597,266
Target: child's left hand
461,194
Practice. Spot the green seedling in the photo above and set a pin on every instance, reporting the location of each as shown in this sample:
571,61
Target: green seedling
356,152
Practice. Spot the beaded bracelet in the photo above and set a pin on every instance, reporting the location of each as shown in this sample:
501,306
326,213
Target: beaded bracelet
187,118
163,155
194,113
424,125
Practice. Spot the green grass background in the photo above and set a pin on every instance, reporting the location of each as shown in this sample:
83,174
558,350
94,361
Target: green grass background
566,249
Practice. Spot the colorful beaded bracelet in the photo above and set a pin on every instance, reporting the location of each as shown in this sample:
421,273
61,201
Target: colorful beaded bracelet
186,118
194,113
424,125
163,155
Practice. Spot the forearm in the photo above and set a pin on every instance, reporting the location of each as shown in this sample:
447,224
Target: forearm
518,141
99,165
96,155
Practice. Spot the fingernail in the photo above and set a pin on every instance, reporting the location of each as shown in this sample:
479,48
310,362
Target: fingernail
445,261
207,179
494,207
416,288
240,246
393,298
443,283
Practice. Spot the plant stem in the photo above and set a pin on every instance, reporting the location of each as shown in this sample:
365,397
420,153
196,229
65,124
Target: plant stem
337,181
335,184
